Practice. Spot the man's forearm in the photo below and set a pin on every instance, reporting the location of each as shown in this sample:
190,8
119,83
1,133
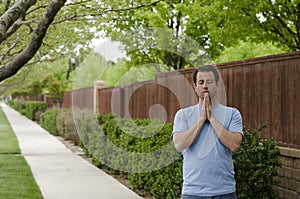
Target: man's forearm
184,139
231,140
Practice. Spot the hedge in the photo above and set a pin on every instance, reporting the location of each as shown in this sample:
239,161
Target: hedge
60,122
255,165
48,121
34,109
31,109
66,127
255,162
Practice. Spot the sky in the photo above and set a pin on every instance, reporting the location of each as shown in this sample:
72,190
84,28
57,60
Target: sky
108,49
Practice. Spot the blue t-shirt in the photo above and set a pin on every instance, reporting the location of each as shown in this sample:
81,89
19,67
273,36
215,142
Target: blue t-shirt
207,164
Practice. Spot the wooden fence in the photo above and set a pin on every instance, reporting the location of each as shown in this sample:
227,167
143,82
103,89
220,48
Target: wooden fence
264,89
81,98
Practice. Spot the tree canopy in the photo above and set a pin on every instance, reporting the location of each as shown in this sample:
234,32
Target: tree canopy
276,21
213,25
185,32
35,31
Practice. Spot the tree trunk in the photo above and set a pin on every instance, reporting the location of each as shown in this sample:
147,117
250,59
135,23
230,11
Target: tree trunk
35,42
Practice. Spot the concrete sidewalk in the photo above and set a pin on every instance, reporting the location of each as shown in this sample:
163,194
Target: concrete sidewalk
59,173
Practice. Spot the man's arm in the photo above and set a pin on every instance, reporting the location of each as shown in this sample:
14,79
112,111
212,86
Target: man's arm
231,140
184,139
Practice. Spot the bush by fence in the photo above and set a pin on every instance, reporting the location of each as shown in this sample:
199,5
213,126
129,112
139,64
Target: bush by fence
60,122
66,127
255,163
34,109
31,109
48,121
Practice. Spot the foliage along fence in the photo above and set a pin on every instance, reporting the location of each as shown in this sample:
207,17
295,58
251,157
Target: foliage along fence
264,89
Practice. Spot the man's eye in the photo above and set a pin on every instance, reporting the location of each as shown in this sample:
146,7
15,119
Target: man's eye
210,81
201,82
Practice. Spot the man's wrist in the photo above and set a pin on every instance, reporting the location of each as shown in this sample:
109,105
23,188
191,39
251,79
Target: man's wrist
212,119
202,119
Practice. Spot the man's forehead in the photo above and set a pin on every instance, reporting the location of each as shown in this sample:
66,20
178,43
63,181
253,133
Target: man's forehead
205,75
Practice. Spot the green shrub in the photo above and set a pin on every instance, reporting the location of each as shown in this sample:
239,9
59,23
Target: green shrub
32,109
255,165
48,121
17,104
139,136
163,183
60,122
12,103
21,107
66,126
255,162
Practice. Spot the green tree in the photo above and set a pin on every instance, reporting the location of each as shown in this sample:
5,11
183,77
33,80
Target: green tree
213,25
35,88
33,31
56,85
23,80
88,71
95,67
275,21
246,50
168,44
17,19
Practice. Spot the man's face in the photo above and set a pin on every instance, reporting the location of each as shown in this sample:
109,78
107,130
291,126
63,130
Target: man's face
205,84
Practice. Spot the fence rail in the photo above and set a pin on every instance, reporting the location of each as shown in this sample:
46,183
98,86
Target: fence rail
264,89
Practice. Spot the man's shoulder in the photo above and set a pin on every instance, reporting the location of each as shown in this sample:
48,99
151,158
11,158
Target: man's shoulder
190,108
229,108
188,111
231,111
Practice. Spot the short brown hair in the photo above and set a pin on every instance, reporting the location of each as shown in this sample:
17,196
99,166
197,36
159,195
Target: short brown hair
206,68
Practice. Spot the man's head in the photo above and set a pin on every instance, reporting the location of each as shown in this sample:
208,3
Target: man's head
207,68
206,80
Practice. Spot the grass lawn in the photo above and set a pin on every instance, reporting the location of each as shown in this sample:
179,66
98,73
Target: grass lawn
16,180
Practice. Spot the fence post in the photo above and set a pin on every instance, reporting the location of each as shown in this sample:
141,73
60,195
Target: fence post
97,85
122,102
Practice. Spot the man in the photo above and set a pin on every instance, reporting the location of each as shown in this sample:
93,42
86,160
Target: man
206,134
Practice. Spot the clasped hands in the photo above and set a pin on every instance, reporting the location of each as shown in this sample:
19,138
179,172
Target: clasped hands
206,108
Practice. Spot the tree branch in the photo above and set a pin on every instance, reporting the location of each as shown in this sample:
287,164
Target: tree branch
283,24
132,8
35,42
9,49
75,16
12,15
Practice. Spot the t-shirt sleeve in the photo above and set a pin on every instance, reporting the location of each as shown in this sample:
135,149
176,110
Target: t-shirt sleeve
180,123
236,123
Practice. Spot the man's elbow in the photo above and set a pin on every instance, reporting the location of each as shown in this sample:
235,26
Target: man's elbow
177,144
178,148
235,147
237,144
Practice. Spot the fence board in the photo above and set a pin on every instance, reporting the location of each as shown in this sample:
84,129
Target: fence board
83,98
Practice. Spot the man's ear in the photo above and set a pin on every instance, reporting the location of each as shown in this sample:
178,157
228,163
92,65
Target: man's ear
194,86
